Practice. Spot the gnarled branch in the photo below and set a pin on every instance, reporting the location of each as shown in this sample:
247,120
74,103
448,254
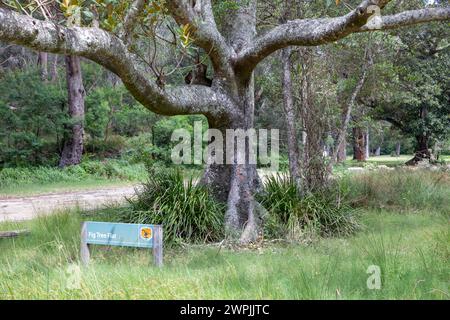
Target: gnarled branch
109,51
199,15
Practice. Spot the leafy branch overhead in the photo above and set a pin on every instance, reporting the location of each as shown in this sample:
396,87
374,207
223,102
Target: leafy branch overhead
23,22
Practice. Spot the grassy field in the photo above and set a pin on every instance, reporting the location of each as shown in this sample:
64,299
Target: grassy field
96,174
412,251
89,174
59,187
387,160
405,232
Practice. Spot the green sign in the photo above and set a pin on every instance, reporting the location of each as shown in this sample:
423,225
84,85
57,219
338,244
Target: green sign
120,234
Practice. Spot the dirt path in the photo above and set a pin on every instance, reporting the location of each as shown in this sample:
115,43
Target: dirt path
16,208
24,208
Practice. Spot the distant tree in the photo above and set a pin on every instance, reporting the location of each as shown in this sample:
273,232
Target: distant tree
74,134
417,98
30,134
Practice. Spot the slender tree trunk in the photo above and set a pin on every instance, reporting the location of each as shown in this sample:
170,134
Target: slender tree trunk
54,69
378,151
73,144
342,150
398,149
346,116
359,144
43,64
289,113
367,142
315,173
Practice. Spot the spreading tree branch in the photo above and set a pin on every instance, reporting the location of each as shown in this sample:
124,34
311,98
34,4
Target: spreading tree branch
313,32
199,15
109,51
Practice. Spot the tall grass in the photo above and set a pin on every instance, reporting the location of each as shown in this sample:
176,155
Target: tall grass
401,190
411,250
111,169
294,216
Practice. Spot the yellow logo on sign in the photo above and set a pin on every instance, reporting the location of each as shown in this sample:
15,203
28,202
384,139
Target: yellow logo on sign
146,233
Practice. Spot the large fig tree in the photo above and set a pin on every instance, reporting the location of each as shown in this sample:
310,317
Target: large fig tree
234,50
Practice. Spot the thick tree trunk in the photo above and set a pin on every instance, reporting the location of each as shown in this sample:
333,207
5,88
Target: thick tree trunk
422,151
73,143
422,145
289,112
359,144
236,185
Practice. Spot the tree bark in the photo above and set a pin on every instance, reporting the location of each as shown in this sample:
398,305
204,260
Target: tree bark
73,143
54,69
367,142
398,149
43,65
378,151
314,169
422,151
359,144
289,113
236,184
342,150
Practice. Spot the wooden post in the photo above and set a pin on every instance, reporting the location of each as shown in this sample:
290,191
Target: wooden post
84,248
158,245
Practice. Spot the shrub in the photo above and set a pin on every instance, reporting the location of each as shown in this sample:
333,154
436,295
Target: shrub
110,148
139,149
187,212
293,216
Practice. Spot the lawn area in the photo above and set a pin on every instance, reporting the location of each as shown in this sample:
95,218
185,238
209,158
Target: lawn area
89,174
412,250
62,186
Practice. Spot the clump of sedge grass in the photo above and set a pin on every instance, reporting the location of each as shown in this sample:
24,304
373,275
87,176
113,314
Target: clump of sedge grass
187,211
293,216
